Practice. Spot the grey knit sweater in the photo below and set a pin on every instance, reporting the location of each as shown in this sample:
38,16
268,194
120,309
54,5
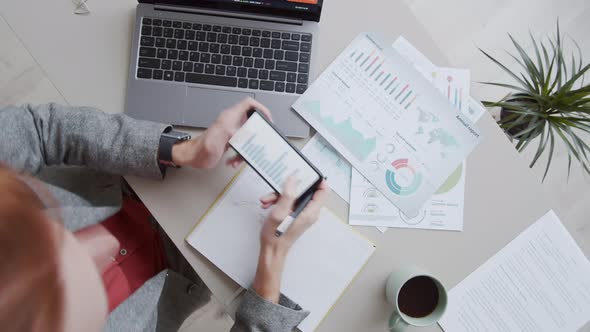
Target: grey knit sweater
86,151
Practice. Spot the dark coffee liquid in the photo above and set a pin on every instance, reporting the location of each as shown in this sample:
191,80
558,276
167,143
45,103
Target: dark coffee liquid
418,297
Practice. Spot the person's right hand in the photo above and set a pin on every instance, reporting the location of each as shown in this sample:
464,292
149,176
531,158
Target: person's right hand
206,150
274,249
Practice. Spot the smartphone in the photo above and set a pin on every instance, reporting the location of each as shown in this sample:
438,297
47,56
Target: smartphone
273,157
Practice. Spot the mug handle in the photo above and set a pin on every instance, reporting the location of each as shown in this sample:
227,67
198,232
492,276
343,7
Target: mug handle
396,323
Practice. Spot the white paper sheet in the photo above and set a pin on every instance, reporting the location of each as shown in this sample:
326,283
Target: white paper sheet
331,163
388,122
450,81
320,265
539,282
444,211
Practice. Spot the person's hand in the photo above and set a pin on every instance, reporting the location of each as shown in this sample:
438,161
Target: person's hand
206,150
274,249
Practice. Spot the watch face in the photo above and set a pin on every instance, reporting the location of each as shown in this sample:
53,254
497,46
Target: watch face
177,135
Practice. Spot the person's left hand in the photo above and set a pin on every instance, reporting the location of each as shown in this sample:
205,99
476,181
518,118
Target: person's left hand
206,150
274,249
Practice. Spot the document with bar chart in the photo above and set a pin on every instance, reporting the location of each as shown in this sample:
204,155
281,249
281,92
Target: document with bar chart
271,156
388,121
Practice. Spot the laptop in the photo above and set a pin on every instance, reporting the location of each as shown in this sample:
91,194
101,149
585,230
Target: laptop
191,59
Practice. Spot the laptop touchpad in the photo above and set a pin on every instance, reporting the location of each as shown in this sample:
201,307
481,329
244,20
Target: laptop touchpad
202,106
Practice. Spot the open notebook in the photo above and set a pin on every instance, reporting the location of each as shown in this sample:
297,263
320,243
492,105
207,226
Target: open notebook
319,268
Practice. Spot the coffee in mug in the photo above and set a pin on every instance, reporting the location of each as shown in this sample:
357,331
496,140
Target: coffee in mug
419,299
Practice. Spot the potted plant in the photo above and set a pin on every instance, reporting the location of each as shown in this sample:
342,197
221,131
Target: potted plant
549,101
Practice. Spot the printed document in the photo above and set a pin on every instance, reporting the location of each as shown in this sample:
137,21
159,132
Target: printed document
539,282
444,211
452,82
388,121
323,156
319,268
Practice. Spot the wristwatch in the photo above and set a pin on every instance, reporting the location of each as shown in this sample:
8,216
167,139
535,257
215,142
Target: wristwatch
167,140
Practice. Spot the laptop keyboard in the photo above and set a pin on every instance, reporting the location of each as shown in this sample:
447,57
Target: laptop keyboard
222,55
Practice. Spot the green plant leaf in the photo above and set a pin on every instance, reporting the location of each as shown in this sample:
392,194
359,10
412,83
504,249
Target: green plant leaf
570,83
558,64
506,70
560,56
579,57
524,97
571,148
551,148
508,86
539,61
569,166
550,66
574,71
579,144
576,147
531,128
524,141
529,84
542,144
508,118
533,114
532,70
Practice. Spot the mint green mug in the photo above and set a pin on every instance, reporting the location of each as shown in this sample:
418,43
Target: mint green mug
418,298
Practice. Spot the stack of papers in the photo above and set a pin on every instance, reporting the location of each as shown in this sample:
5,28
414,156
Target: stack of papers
388,121
368,206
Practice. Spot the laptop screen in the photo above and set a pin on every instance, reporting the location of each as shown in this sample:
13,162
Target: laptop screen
305,9
305,6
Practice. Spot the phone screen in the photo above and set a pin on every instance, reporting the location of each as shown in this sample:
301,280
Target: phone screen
271,156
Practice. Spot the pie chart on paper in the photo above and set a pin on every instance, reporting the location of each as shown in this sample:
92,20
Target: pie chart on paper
403,179
451,181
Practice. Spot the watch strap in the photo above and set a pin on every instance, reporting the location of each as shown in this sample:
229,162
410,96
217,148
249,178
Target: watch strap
167,140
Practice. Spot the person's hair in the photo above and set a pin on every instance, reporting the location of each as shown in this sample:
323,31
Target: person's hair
31,290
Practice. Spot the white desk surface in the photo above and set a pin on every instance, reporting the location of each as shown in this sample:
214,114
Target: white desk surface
86,57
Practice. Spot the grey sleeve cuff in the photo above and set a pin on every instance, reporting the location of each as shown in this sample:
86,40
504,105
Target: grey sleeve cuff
259,315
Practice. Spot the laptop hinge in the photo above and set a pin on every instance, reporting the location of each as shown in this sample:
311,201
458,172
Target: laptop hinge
213,12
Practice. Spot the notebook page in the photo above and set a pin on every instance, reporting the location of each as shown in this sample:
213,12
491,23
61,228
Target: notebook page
320,265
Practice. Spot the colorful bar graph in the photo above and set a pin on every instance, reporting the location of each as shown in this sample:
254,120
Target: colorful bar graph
372,63
395,88
367,58
411,101
359,57
376,68
390,83
406,97
379,76
402,91
365,61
